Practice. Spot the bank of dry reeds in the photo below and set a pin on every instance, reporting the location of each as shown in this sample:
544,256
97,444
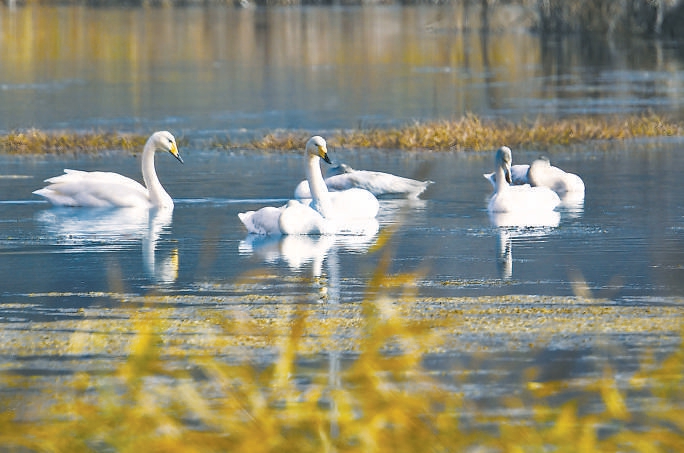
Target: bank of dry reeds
472,133
469,133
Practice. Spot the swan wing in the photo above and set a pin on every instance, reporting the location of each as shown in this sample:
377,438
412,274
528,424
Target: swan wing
302,191
264,221
543,174
519,175
353,203
94,189
377,183
300,219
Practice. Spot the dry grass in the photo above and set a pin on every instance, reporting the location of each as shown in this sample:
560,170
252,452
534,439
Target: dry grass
475,134
468,133
34,141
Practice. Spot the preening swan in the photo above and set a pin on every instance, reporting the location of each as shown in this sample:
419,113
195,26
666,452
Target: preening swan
343,177
542,174
326,213
106,189
507,198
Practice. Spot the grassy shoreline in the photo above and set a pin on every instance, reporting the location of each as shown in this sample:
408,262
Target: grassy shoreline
469,133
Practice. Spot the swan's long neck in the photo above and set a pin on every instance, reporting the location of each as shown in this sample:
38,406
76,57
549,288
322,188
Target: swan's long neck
500,179
319,190
158,196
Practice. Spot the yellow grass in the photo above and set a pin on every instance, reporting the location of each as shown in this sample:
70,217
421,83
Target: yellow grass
476,134
467,133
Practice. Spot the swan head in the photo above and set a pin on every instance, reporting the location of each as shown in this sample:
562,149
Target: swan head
316,147
165,141
504,159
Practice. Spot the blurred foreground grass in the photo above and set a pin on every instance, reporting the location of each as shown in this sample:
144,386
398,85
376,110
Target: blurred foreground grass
191,373
467,133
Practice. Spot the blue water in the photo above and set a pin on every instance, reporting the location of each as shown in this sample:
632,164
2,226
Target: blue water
626,239
239,72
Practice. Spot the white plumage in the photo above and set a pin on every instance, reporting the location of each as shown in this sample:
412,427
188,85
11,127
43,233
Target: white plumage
106,189
343,177
507,198
542,174
325,213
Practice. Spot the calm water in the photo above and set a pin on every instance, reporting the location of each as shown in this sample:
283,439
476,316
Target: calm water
626,239
216,71
223,71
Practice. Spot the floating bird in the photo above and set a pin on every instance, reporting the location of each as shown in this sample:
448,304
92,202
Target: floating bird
343,177
508,198
325,213
106,189
542,174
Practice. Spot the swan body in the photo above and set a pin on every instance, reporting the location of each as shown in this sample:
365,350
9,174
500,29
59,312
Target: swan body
325,213
344,177
507,198
106,189
542,174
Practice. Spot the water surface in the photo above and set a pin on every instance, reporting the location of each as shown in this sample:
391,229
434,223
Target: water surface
223,70
203,72
624,238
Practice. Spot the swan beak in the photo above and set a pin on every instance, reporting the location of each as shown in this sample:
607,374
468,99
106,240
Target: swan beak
174,153
323,154
507,173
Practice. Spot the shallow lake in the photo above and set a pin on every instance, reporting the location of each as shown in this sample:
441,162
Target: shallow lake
625,239
205,72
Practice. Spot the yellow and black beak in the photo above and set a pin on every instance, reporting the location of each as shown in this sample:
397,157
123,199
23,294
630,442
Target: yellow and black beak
323,154
174,152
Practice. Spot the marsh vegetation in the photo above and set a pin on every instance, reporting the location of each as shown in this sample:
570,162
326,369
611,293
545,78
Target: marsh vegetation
470,133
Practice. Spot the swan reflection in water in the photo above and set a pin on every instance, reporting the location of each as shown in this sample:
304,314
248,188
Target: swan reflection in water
116,227
519,225
301,251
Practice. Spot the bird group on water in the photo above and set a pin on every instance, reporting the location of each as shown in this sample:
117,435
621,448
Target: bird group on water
345,202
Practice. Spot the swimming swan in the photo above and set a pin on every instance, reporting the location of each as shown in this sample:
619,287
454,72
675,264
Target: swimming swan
106,189
378,183
542,174
507,198
349,211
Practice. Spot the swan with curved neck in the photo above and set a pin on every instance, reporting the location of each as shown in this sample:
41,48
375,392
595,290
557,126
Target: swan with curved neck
326,213
107,189
507,198
542,174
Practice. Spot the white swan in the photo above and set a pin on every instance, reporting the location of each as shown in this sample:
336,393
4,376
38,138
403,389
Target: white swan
106,189
343,177
347,212
507,198
542,174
